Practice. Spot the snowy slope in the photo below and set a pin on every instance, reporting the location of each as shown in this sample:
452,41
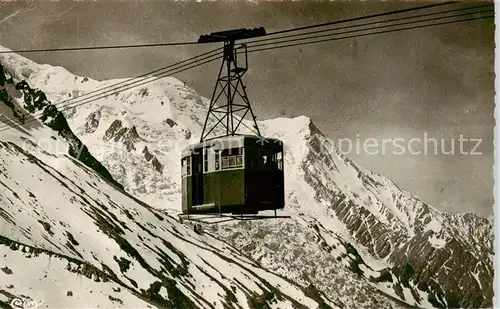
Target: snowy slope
368,233
70,239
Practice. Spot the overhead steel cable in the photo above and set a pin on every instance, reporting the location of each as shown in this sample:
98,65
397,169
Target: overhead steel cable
198,43
360,35
361,18
367,29
191,65
23,51
123,85
135,79
371,23
134,82
73,105
155,78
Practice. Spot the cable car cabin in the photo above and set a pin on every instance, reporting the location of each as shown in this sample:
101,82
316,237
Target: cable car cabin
235,174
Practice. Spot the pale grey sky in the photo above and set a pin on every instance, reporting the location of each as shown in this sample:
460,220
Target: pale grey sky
437,81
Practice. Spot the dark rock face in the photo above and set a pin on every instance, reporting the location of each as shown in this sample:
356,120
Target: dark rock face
92,122
455,272
170,122
112,130
128,136
3,78
147,154
34,101
157,165
153,159
301,253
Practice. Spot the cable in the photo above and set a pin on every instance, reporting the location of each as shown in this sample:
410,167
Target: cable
372,28
269,48
136,84
132,80
366,34
361,18
164,74
6,127
372,23
100,47
113,86
130,86
113,90
197,43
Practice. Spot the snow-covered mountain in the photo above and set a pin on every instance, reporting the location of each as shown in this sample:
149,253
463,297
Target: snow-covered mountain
70,238
354,235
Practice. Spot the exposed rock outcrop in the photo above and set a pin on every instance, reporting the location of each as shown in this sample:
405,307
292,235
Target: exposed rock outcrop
433,252
35,101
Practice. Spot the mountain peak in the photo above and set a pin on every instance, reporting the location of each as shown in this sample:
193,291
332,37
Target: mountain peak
392,239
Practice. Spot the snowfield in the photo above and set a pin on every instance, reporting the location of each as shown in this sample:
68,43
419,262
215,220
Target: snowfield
62,223
354,239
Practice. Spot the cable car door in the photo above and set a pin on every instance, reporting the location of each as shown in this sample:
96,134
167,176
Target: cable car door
197,177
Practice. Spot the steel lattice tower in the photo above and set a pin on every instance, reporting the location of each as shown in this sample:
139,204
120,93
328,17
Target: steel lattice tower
230,83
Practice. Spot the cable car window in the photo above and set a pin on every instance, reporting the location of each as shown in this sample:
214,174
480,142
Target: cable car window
263,158
239,160
217,158
279,159
274,161
225,162
205,158
188,166
232,158
232,152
